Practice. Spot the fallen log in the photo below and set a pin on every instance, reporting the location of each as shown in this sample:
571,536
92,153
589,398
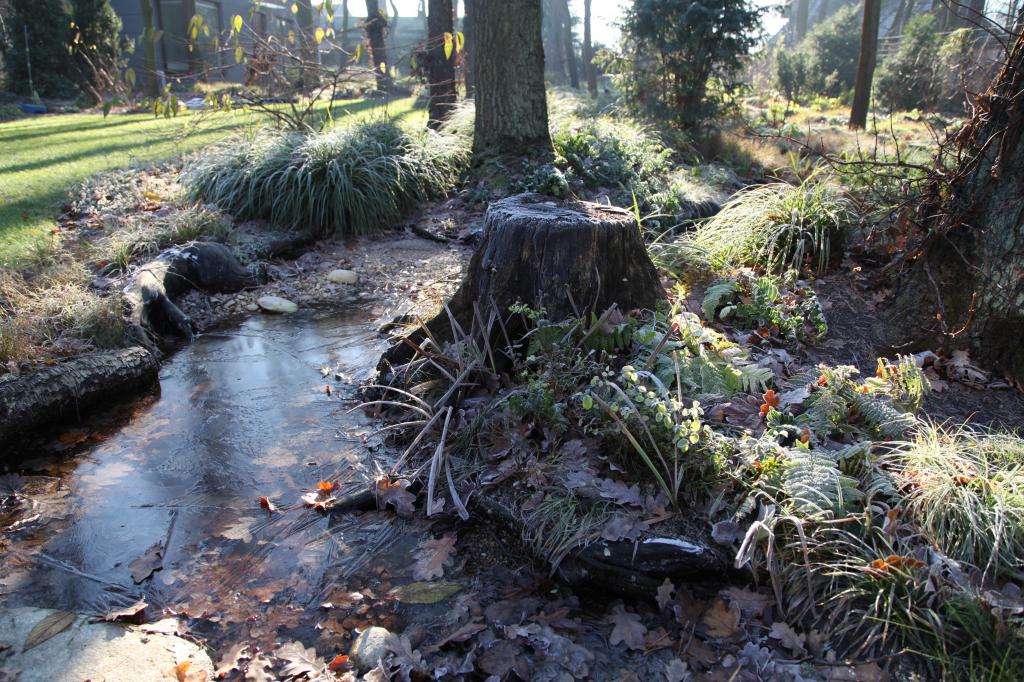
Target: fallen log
67,389
207,266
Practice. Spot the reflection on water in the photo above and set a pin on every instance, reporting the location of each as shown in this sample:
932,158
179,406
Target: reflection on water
239,415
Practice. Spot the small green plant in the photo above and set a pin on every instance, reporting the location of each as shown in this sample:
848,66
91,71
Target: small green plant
768,304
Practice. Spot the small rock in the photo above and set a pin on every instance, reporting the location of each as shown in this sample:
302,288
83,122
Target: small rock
370,646
252,307
342,277
276,304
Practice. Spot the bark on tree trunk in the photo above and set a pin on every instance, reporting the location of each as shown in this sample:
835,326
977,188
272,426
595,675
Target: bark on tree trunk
866,64
588,51
803,10
309,49
511,105
570,50
149,48
440,68
569,259
376,23
966,289
54,394
469,48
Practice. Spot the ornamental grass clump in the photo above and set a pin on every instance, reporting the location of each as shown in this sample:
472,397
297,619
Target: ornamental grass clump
773,228
349,180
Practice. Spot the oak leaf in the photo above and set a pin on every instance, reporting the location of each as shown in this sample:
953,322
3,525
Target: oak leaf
723,620
433,555
628,628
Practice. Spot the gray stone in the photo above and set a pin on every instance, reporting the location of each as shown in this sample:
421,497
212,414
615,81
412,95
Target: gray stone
252,307
91,651
342,277
276,304
370,646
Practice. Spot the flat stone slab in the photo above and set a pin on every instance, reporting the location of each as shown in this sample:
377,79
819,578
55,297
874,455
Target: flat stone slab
78,650
276,304
342,277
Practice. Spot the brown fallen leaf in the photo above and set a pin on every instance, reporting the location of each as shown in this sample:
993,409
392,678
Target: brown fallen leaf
788,638
50,626
432,555
148,563
256,671
396,494
298,660
665,592
339,664
231,660
723,620
134,614
265,503
627,628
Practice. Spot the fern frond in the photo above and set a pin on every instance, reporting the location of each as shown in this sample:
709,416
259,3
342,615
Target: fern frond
880,415
716,294
815,485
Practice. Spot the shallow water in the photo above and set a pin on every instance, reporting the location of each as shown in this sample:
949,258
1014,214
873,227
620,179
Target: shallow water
239,415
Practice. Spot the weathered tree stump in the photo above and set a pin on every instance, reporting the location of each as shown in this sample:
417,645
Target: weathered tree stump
54,394
207,266
566,258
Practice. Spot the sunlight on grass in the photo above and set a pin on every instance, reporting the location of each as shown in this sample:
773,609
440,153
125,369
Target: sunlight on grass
43,157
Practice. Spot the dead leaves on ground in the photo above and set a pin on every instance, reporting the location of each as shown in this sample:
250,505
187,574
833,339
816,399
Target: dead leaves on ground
433,555
50,626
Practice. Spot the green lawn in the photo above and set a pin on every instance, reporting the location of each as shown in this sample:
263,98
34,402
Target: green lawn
42,157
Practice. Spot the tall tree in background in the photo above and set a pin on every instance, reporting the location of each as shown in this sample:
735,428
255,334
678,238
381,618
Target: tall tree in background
45,23
569,46
150,84
511,105
824,11
308,48
965,287
469,48
376,25
803,10
440,61
589,70
553,40
865,64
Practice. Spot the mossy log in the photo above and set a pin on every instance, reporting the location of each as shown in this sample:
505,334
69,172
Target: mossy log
207,266
64,391
568,259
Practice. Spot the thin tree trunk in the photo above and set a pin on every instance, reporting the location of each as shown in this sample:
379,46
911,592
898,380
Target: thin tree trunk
823,11
440,68
966,288
308,49
376,24
511,105
803,9
865,64
469,49
554,56
149,48
570,50
344,25
393,47
900,18
588,51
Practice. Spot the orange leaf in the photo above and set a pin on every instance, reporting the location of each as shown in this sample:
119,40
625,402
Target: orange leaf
805,436
339,663
823,380
326,486
181,670
771,399
265,503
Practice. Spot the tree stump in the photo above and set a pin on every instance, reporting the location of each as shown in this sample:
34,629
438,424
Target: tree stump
568,259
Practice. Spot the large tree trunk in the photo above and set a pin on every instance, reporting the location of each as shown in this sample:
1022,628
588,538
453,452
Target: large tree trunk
589,70
440,67
866,64
55,394
511,105
966,288
376,24
569,259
